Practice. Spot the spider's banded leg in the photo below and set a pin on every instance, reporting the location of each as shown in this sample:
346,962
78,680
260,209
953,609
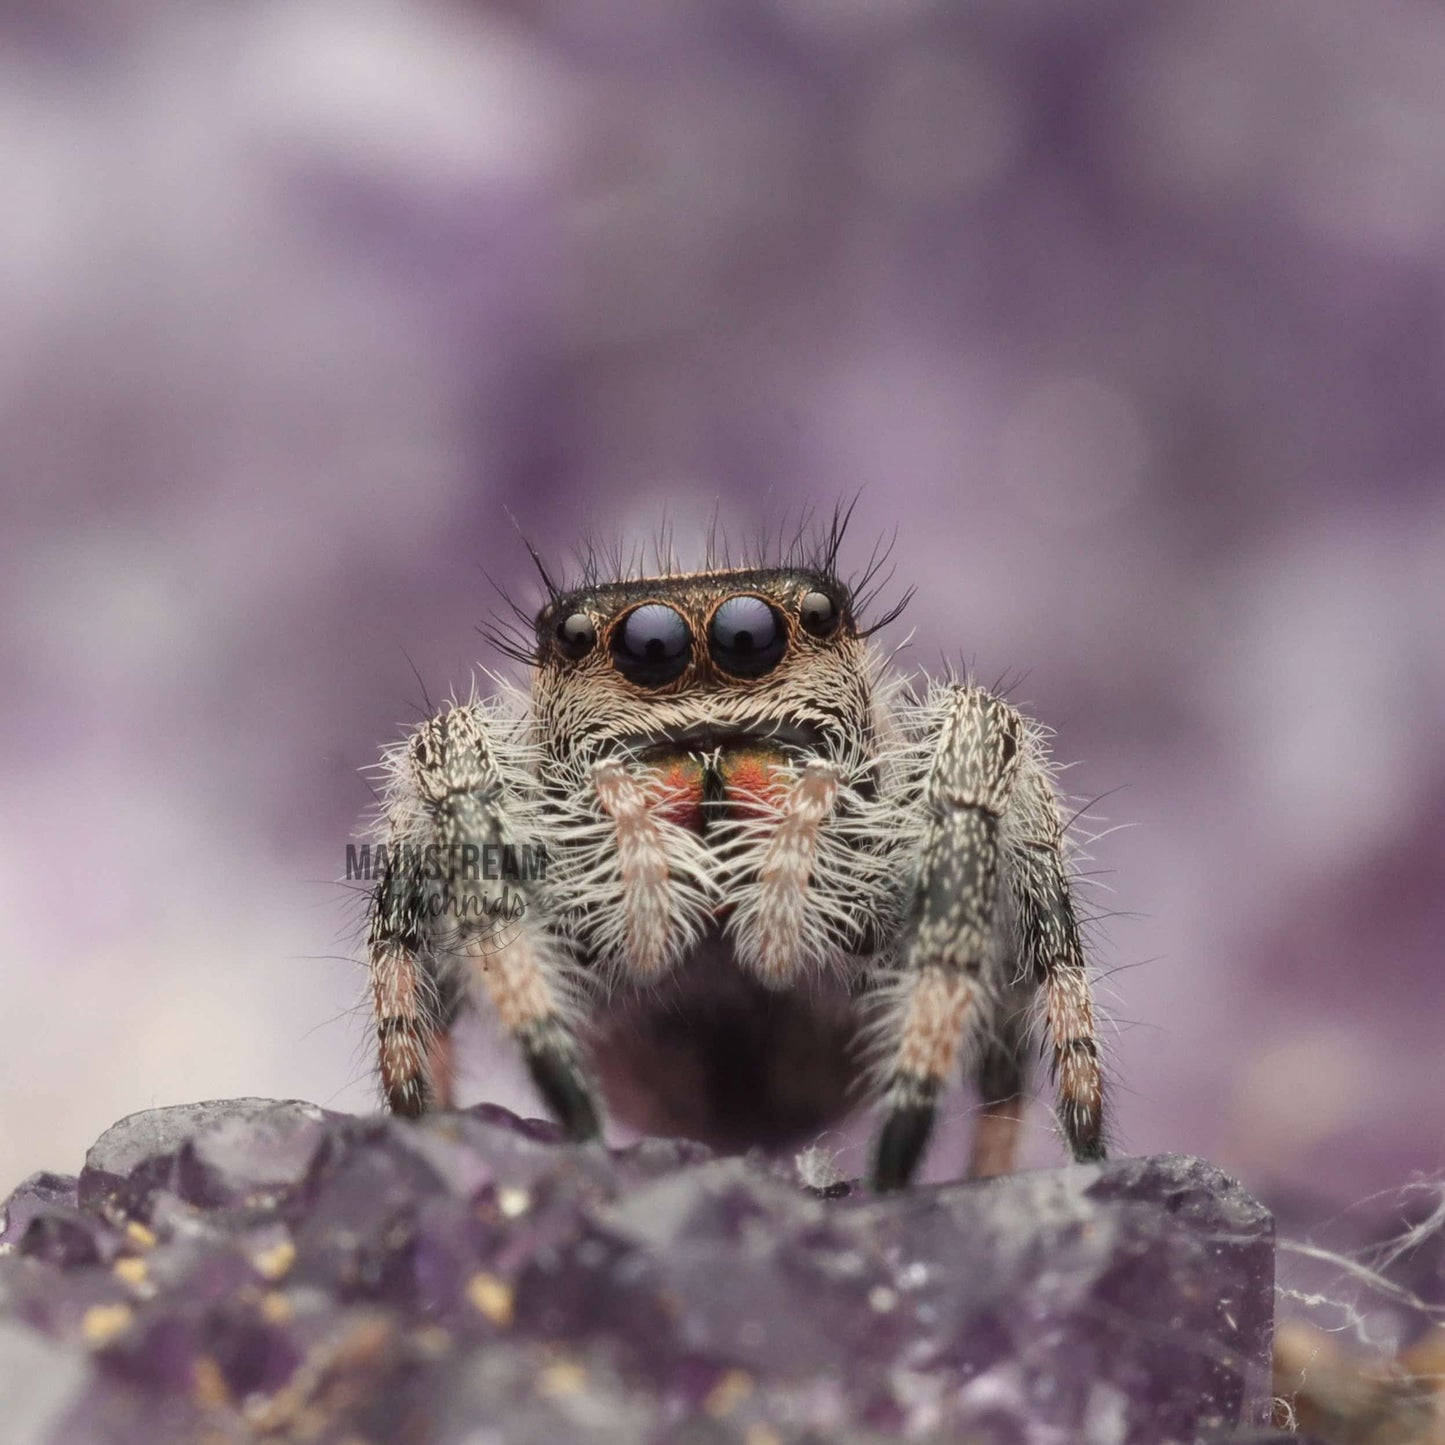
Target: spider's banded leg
404,1036
451,797
408,1025
1054,958
515,976
1002,1079
949,943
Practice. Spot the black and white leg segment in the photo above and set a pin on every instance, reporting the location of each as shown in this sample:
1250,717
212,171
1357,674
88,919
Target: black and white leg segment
432,935
412,1006
1053,957
517,979
948,984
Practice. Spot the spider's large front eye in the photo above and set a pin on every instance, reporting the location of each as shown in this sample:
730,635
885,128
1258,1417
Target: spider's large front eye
747,636
652,645
576,635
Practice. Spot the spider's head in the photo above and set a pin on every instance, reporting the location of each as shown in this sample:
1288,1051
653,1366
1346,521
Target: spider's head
746,666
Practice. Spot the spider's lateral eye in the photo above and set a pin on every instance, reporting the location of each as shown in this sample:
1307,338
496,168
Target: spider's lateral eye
652,645
576,635
819,614
747,637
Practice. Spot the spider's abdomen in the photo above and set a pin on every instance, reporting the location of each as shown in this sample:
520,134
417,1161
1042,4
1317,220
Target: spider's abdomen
710,1053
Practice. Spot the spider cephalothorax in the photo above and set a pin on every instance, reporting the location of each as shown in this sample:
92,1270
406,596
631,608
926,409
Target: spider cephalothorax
767,859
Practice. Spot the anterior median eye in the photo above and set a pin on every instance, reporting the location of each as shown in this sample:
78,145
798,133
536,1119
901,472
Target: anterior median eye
747,636
652,645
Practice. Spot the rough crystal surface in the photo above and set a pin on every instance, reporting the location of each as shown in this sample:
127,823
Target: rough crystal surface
247,1269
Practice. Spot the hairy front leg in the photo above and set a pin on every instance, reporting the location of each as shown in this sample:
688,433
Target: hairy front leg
413,1013
948,989
433,936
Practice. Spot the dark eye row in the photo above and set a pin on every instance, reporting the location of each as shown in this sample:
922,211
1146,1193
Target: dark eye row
652,645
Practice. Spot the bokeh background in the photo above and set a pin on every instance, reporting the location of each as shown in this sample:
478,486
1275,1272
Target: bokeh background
1127,318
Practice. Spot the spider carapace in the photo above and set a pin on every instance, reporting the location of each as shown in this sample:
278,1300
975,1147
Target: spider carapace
778,874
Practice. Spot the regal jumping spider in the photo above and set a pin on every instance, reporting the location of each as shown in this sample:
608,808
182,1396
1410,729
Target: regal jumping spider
764,850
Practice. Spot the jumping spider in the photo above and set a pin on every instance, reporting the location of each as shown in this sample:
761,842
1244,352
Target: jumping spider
763,850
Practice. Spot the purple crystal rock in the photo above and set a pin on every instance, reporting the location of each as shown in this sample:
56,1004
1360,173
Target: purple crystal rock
250,1270
34,1195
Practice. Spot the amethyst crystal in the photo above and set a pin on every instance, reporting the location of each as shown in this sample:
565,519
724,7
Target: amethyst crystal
244,1270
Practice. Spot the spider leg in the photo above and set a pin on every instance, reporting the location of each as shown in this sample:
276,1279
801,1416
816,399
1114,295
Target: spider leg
442,1068
1052,956
1002,1076
412,1014
434,930
949,986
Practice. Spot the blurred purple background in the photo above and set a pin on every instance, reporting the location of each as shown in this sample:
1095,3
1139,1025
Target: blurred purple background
1128,318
